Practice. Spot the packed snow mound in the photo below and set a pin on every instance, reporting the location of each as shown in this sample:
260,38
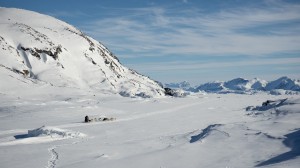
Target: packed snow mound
41,50
54,133
281,86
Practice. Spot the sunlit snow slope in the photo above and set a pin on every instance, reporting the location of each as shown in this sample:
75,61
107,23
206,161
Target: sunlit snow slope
40,50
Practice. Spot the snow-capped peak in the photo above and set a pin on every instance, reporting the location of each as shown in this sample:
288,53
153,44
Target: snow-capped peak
237,84
284,83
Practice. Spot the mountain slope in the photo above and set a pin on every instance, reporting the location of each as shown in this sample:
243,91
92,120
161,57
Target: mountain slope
44,50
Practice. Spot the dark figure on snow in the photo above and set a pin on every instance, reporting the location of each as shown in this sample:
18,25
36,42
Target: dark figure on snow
86,119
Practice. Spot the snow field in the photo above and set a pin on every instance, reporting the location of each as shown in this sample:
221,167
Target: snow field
197,131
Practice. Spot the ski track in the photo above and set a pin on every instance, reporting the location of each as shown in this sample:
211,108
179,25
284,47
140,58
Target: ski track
54,157
52,162
169,110
138,116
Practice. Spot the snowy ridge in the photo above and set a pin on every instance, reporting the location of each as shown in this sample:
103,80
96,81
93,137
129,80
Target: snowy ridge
283,85
45,50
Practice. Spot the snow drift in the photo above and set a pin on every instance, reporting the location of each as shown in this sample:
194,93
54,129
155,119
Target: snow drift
54,133
40,49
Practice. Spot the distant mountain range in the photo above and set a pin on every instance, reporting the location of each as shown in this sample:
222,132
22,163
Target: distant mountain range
283,85
182,85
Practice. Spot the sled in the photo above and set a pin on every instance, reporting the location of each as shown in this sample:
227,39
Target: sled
88,119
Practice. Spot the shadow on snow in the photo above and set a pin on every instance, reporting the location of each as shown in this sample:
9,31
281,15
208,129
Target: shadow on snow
292,141
205,132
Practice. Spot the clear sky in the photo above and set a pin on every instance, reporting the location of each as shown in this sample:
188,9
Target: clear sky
193,40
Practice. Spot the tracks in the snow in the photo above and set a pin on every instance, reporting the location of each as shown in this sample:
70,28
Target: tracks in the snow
54,157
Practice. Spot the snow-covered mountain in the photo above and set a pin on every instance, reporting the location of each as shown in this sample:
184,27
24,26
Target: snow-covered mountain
41,50
240,85
244,84
283,85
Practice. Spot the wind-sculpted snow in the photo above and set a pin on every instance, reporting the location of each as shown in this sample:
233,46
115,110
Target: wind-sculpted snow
45,134
53,132
287,108
292,141
211,130
276,107
41,135
205,132
269,104
49,51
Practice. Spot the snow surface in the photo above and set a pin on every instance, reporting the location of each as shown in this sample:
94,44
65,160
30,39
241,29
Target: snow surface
212,130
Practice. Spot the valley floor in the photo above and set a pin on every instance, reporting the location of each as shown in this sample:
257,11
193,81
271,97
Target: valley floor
213,130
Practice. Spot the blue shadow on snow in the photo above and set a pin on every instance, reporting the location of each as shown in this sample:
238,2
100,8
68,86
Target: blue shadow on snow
292,141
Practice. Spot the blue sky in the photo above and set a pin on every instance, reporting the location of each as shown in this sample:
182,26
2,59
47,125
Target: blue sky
193,40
